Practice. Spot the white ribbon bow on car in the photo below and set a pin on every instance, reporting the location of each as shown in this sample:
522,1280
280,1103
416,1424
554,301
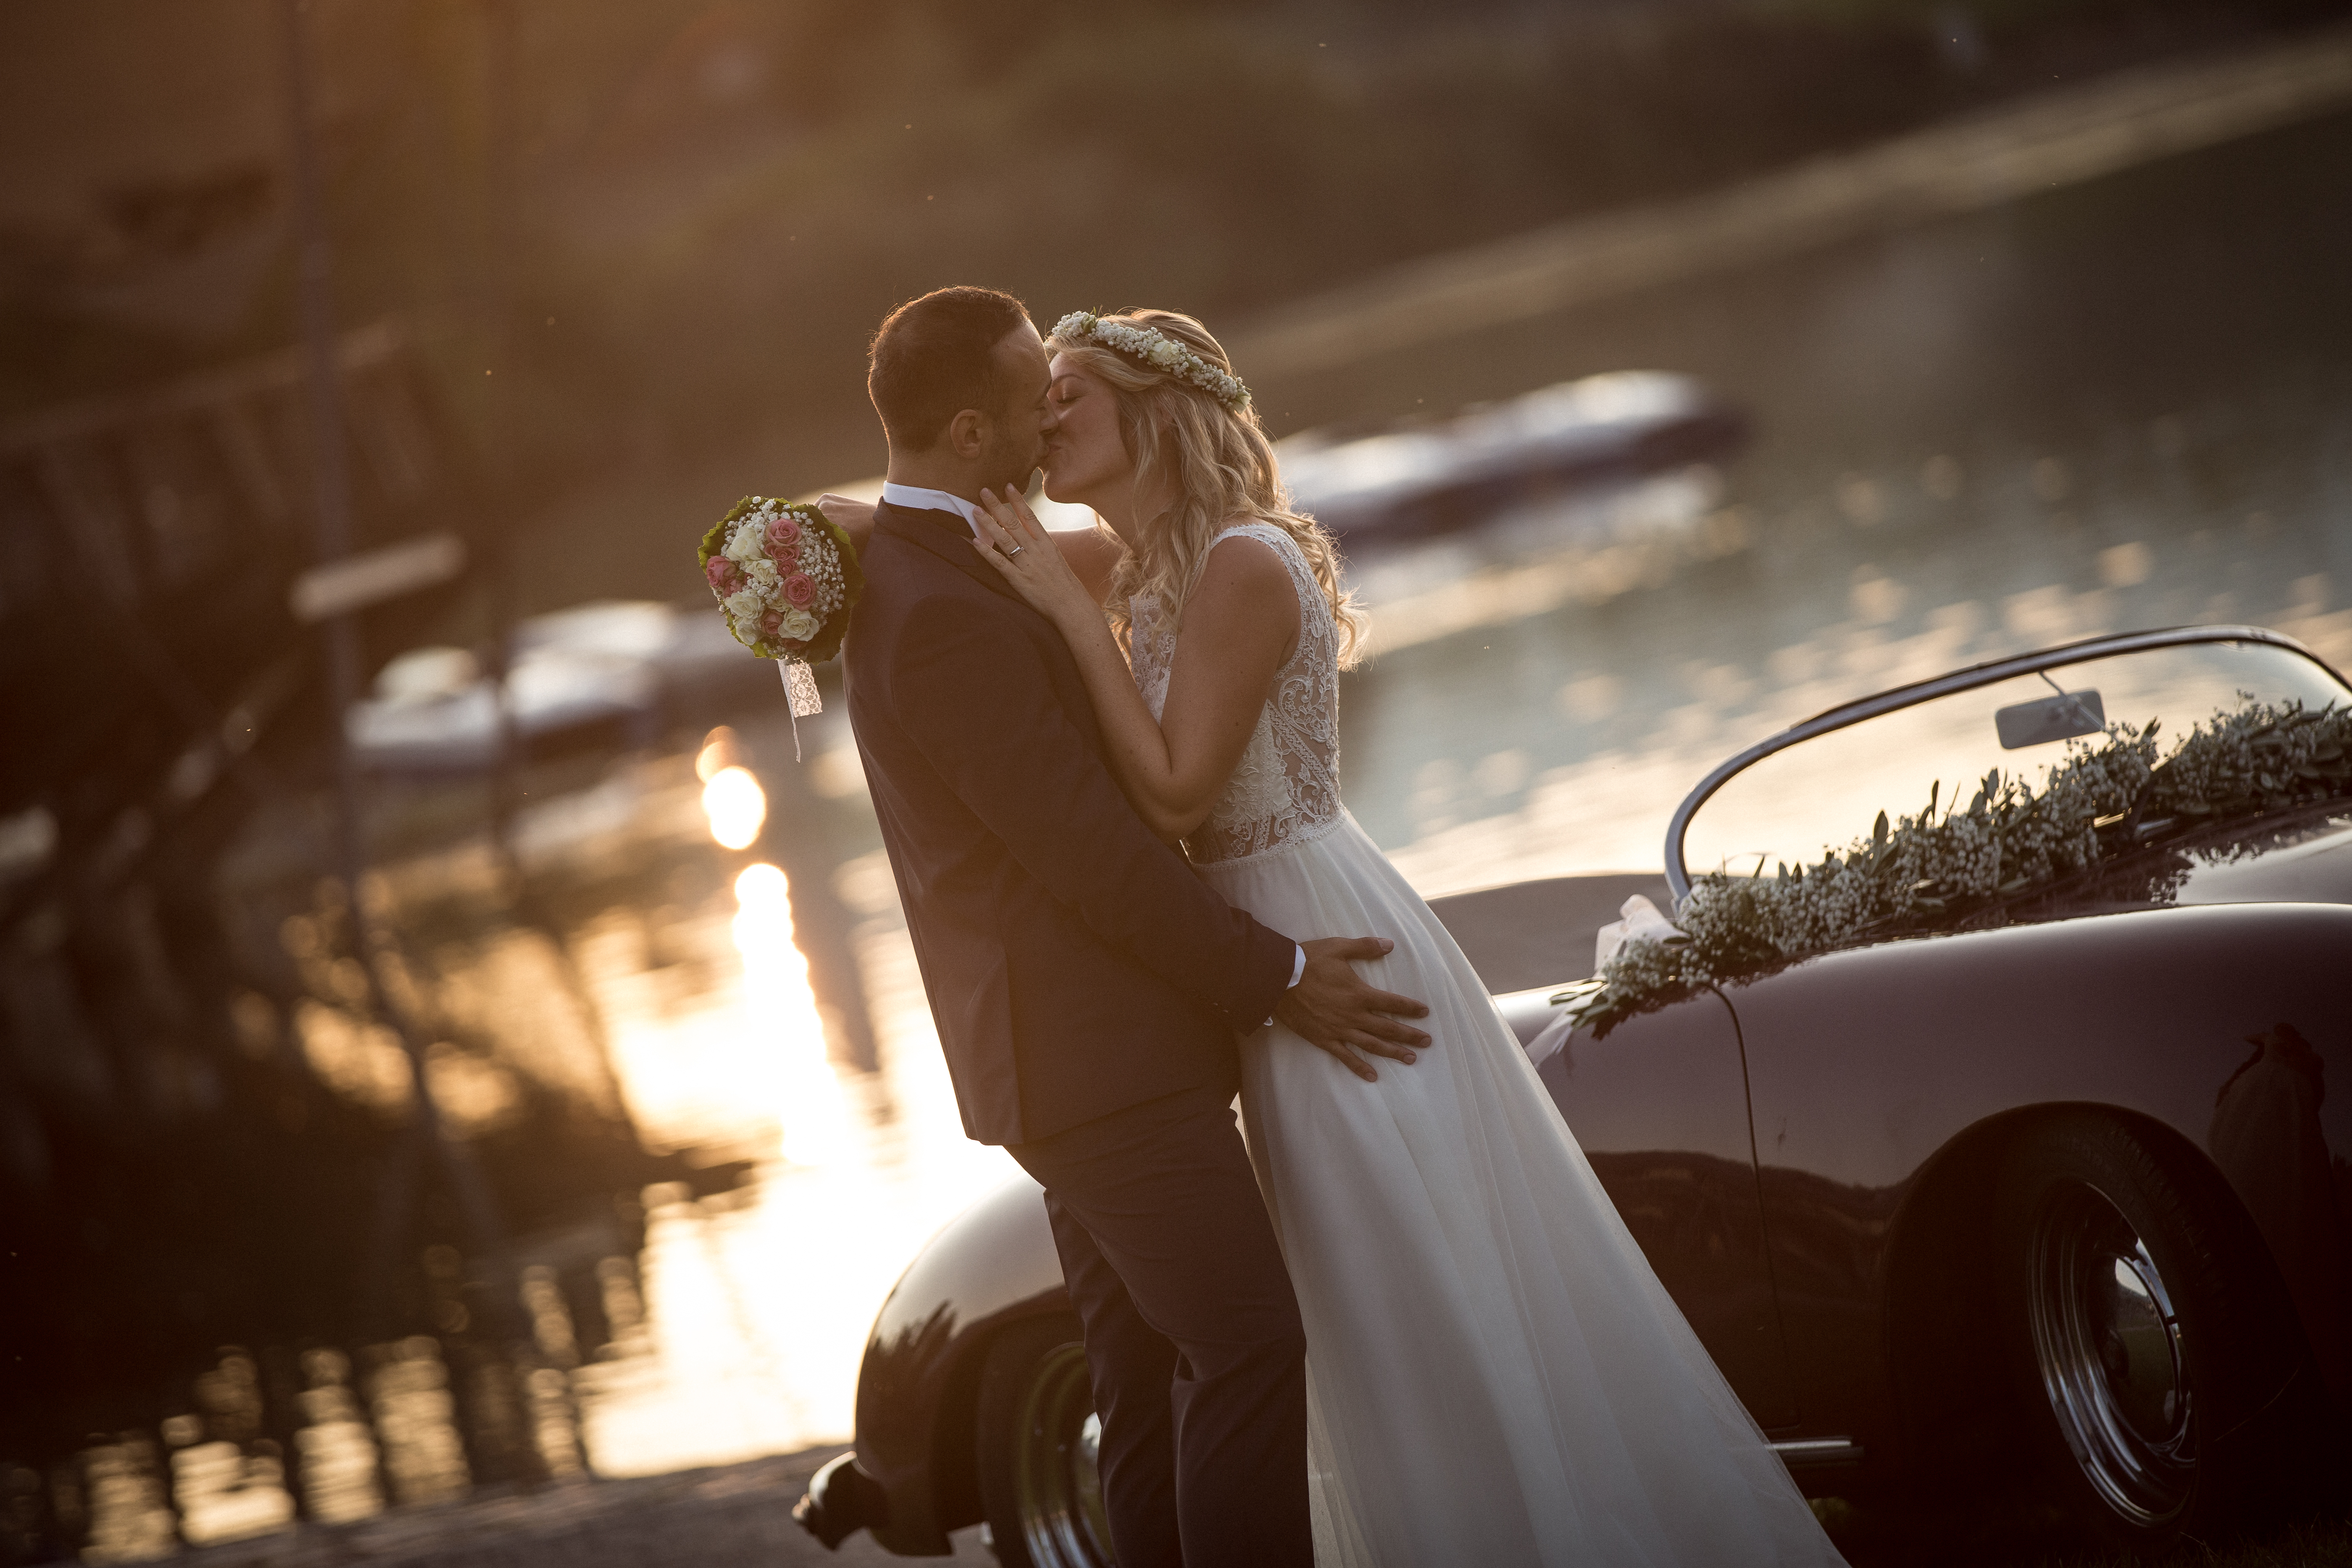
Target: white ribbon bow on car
1640,921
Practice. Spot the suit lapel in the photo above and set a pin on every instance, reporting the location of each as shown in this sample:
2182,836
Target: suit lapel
945,535
948,537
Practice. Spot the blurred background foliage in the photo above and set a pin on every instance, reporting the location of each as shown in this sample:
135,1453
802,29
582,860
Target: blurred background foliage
714,202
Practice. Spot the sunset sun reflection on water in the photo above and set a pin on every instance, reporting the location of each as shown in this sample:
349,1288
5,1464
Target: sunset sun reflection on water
758,1300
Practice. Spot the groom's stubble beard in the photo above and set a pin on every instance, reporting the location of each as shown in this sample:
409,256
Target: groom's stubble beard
1012,458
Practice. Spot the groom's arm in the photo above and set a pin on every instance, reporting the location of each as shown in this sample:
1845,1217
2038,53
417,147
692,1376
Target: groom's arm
975,695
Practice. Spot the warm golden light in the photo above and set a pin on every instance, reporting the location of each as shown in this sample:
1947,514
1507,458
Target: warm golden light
741,1351
763,909
784,1013
736,805
717,752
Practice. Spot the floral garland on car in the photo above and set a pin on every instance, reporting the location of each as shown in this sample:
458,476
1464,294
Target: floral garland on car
786,578
1158,350
1915,873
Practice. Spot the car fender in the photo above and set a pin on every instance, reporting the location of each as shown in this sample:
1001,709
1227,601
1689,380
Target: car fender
991,1264
1864,1067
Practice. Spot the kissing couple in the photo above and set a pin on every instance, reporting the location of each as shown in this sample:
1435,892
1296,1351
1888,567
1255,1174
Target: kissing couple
1391,1318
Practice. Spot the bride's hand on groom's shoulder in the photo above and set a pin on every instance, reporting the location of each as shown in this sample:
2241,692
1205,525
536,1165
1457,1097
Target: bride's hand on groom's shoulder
1333,1008
852,517
1011,538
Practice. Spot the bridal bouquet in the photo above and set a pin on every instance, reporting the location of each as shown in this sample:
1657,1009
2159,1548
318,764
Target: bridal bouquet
787,579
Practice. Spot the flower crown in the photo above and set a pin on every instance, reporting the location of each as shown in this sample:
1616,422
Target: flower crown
1158,350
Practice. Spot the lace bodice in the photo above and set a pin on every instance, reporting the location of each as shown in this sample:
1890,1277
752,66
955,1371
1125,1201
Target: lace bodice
1285,788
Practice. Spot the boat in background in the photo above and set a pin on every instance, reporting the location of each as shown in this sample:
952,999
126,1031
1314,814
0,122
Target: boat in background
1413,480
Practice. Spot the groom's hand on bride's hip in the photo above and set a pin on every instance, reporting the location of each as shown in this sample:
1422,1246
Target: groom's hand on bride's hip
1332,1007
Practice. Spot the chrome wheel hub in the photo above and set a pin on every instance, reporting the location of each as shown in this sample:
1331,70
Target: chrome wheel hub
2107,1345
1057,1467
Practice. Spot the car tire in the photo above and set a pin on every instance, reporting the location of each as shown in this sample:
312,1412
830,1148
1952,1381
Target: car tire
2151,1355
1037,1437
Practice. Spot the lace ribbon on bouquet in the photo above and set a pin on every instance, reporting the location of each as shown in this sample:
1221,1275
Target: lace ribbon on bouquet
801,694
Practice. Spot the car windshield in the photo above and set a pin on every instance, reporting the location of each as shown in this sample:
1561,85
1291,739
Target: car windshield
1822,793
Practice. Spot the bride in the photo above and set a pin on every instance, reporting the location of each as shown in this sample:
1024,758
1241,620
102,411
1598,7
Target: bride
1495,1374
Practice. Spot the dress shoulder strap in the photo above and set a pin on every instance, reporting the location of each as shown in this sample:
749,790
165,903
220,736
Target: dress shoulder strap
1302,575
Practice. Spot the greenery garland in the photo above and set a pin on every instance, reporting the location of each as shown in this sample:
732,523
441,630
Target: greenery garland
1921,873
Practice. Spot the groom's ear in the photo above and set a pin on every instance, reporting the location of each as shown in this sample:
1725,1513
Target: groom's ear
967,434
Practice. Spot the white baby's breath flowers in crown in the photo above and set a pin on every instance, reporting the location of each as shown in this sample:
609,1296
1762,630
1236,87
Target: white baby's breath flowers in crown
1158,350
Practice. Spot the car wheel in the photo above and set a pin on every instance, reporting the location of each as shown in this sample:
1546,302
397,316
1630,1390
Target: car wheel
2146,1341
1038,1438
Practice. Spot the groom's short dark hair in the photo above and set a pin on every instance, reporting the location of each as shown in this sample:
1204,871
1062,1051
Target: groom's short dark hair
934,357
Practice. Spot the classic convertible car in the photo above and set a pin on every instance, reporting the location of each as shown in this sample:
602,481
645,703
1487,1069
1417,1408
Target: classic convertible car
2045,1199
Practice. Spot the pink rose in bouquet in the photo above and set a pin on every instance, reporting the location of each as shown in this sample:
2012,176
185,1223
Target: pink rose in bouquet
786,589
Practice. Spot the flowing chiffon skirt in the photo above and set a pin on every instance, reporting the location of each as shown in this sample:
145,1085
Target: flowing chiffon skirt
1495,1374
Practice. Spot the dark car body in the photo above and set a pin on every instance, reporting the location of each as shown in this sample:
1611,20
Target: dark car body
1805,1158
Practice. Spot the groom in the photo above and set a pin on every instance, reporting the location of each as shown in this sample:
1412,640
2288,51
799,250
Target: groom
1089,988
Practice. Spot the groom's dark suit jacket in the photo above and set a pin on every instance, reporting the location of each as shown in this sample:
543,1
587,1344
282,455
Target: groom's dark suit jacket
1075,965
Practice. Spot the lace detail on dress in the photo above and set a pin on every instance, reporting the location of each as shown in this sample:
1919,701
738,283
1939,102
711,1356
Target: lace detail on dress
1285,788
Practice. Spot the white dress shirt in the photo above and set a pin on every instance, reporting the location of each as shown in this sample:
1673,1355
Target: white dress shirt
916,498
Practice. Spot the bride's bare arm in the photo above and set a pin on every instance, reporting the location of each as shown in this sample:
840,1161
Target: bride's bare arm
1239,626
1093,554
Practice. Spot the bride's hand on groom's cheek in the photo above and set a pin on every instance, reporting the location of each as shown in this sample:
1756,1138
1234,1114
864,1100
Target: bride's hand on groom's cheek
1332,1006
1010,538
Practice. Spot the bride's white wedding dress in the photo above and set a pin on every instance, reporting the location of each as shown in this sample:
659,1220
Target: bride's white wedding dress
1495,1374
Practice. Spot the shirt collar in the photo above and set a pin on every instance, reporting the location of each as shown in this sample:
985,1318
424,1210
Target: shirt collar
915,498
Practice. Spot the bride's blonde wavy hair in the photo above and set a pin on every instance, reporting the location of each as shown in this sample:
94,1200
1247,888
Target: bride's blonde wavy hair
1225,471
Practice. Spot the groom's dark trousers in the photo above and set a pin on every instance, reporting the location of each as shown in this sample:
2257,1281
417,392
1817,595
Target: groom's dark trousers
1088,990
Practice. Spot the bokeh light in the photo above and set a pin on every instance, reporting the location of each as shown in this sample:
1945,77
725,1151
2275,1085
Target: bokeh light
737,808
782,1012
